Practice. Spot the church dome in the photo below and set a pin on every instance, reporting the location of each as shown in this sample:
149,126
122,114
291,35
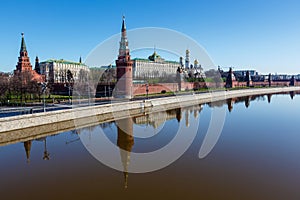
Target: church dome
154,56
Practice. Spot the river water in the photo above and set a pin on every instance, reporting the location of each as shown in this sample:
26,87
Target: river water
255,156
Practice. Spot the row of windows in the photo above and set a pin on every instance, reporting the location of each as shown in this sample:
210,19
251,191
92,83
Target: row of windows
155,64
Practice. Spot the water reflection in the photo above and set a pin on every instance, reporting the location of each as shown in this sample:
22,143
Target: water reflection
247,99
125,135
46,154
157,119
292,94
269,98
125,142
230,104
123,129
27,147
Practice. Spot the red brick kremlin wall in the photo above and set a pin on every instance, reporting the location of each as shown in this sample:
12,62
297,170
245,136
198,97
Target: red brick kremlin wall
140,89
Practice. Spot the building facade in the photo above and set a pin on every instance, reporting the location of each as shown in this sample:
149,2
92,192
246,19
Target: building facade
56,70
244,72
154,67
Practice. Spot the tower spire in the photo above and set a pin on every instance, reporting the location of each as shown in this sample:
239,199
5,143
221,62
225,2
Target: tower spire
23,63
124,50
37,65
23,45
123,24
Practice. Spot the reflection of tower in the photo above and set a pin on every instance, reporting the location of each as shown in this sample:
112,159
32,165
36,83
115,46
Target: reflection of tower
195,113
187,59
247,101
197,110
124,67
178,114
292,94
125,143
230,104
269,98
27,146
187,123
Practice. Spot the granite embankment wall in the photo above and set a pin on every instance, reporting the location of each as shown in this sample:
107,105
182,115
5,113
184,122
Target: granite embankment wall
78,117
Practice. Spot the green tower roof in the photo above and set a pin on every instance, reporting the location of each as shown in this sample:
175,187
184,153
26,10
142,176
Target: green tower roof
23,45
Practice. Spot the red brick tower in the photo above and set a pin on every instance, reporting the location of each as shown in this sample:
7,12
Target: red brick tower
24,66
124,68
24,62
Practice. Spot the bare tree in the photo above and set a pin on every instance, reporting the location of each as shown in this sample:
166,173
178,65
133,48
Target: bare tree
4,87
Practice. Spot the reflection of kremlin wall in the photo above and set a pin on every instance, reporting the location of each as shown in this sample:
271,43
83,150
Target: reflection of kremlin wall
158,118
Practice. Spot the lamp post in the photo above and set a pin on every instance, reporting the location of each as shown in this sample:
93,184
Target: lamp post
89,93
44,88
69,94
147,89
68,85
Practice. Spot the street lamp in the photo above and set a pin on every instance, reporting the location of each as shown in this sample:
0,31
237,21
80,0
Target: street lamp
69,87
89,93
147,89
44,88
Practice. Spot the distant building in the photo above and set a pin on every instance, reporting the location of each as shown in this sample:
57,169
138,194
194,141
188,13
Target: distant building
104,67
243,72
56,70
261,78
154,67
281,77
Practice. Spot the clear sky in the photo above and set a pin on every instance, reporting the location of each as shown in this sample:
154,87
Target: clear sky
256,34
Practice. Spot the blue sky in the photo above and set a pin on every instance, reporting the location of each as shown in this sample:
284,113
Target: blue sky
256,34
